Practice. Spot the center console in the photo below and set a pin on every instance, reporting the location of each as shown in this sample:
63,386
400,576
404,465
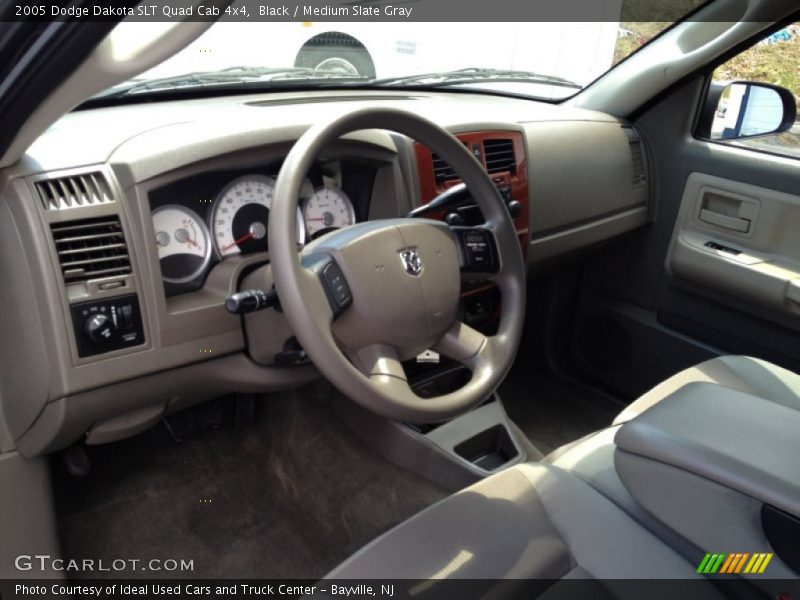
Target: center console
453,454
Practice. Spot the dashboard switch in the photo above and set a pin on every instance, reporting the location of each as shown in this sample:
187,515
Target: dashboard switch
332,280
105,325
514,208
336,285
478,250
99,328
454,218
125,316
249,301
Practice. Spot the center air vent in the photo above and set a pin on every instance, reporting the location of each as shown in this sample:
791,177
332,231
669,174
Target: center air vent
442,171
499,155
84,189
91,248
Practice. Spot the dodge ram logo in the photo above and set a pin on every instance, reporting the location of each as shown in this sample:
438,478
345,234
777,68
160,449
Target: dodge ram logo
412,263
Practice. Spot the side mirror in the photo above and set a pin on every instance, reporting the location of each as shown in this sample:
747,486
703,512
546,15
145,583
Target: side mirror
745,109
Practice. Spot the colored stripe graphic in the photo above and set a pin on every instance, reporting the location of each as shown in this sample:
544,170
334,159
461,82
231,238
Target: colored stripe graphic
740,565
704,563
729,562
734,563
711,563
764,562
759,563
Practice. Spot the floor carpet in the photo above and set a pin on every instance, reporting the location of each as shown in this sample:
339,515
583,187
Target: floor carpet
290,496
552,411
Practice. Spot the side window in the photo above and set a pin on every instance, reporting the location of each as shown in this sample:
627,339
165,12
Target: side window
754,97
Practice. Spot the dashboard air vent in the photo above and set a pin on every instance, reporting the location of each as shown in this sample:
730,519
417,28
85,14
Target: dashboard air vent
499,155
91,248
442,171
639,177
85,189
637,159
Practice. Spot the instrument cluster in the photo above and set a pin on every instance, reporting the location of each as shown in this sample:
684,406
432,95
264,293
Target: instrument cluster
207,219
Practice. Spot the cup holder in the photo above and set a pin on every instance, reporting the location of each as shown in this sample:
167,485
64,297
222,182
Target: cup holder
489,449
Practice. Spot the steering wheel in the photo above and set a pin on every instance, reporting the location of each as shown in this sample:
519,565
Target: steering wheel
364,298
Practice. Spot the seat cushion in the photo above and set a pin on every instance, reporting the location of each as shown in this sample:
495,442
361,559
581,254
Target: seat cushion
742,373
532,523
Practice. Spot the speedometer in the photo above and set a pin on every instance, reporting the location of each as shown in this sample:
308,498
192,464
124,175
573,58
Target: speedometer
183,245
240,218
328,208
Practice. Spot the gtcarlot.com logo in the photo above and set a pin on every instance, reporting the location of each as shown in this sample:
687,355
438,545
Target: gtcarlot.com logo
45,562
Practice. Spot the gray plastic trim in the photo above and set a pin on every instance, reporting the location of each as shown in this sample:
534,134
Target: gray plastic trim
430,456
27,515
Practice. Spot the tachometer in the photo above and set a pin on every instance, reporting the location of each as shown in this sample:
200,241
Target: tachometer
328,208
240,218
183,243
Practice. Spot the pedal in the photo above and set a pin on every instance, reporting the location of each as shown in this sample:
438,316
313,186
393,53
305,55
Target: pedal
196,420
76,461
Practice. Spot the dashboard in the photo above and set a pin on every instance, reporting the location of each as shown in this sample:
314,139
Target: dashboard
125,229
204,219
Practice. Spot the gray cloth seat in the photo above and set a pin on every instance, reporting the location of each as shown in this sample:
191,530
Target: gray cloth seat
529,522
743,373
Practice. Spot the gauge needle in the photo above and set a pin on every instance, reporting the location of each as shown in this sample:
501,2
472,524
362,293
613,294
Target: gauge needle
310,219
244,238
194,243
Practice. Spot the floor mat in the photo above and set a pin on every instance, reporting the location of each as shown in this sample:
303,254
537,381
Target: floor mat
552,411
290,496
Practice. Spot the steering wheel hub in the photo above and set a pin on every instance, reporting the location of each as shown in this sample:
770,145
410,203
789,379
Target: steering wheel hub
404,279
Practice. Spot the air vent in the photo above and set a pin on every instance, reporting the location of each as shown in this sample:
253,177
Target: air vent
499,155
637,160
85,189
442,171
91,248
639,177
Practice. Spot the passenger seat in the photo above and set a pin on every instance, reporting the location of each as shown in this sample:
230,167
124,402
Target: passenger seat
742,373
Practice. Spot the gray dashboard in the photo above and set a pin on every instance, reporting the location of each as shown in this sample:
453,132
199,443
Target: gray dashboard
587,183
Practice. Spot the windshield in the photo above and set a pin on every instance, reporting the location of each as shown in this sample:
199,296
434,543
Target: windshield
542,60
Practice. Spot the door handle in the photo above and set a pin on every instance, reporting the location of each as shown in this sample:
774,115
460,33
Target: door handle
720,220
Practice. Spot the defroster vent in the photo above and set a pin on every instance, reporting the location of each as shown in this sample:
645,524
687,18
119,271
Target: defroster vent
91,248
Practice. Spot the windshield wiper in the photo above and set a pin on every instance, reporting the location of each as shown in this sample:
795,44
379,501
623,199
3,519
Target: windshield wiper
472,75
231,75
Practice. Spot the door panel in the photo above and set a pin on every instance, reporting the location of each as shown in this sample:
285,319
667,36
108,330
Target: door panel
740,239
674,300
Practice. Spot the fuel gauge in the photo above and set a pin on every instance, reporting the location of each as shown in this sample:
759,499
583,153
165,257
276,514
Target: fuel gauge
183,243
